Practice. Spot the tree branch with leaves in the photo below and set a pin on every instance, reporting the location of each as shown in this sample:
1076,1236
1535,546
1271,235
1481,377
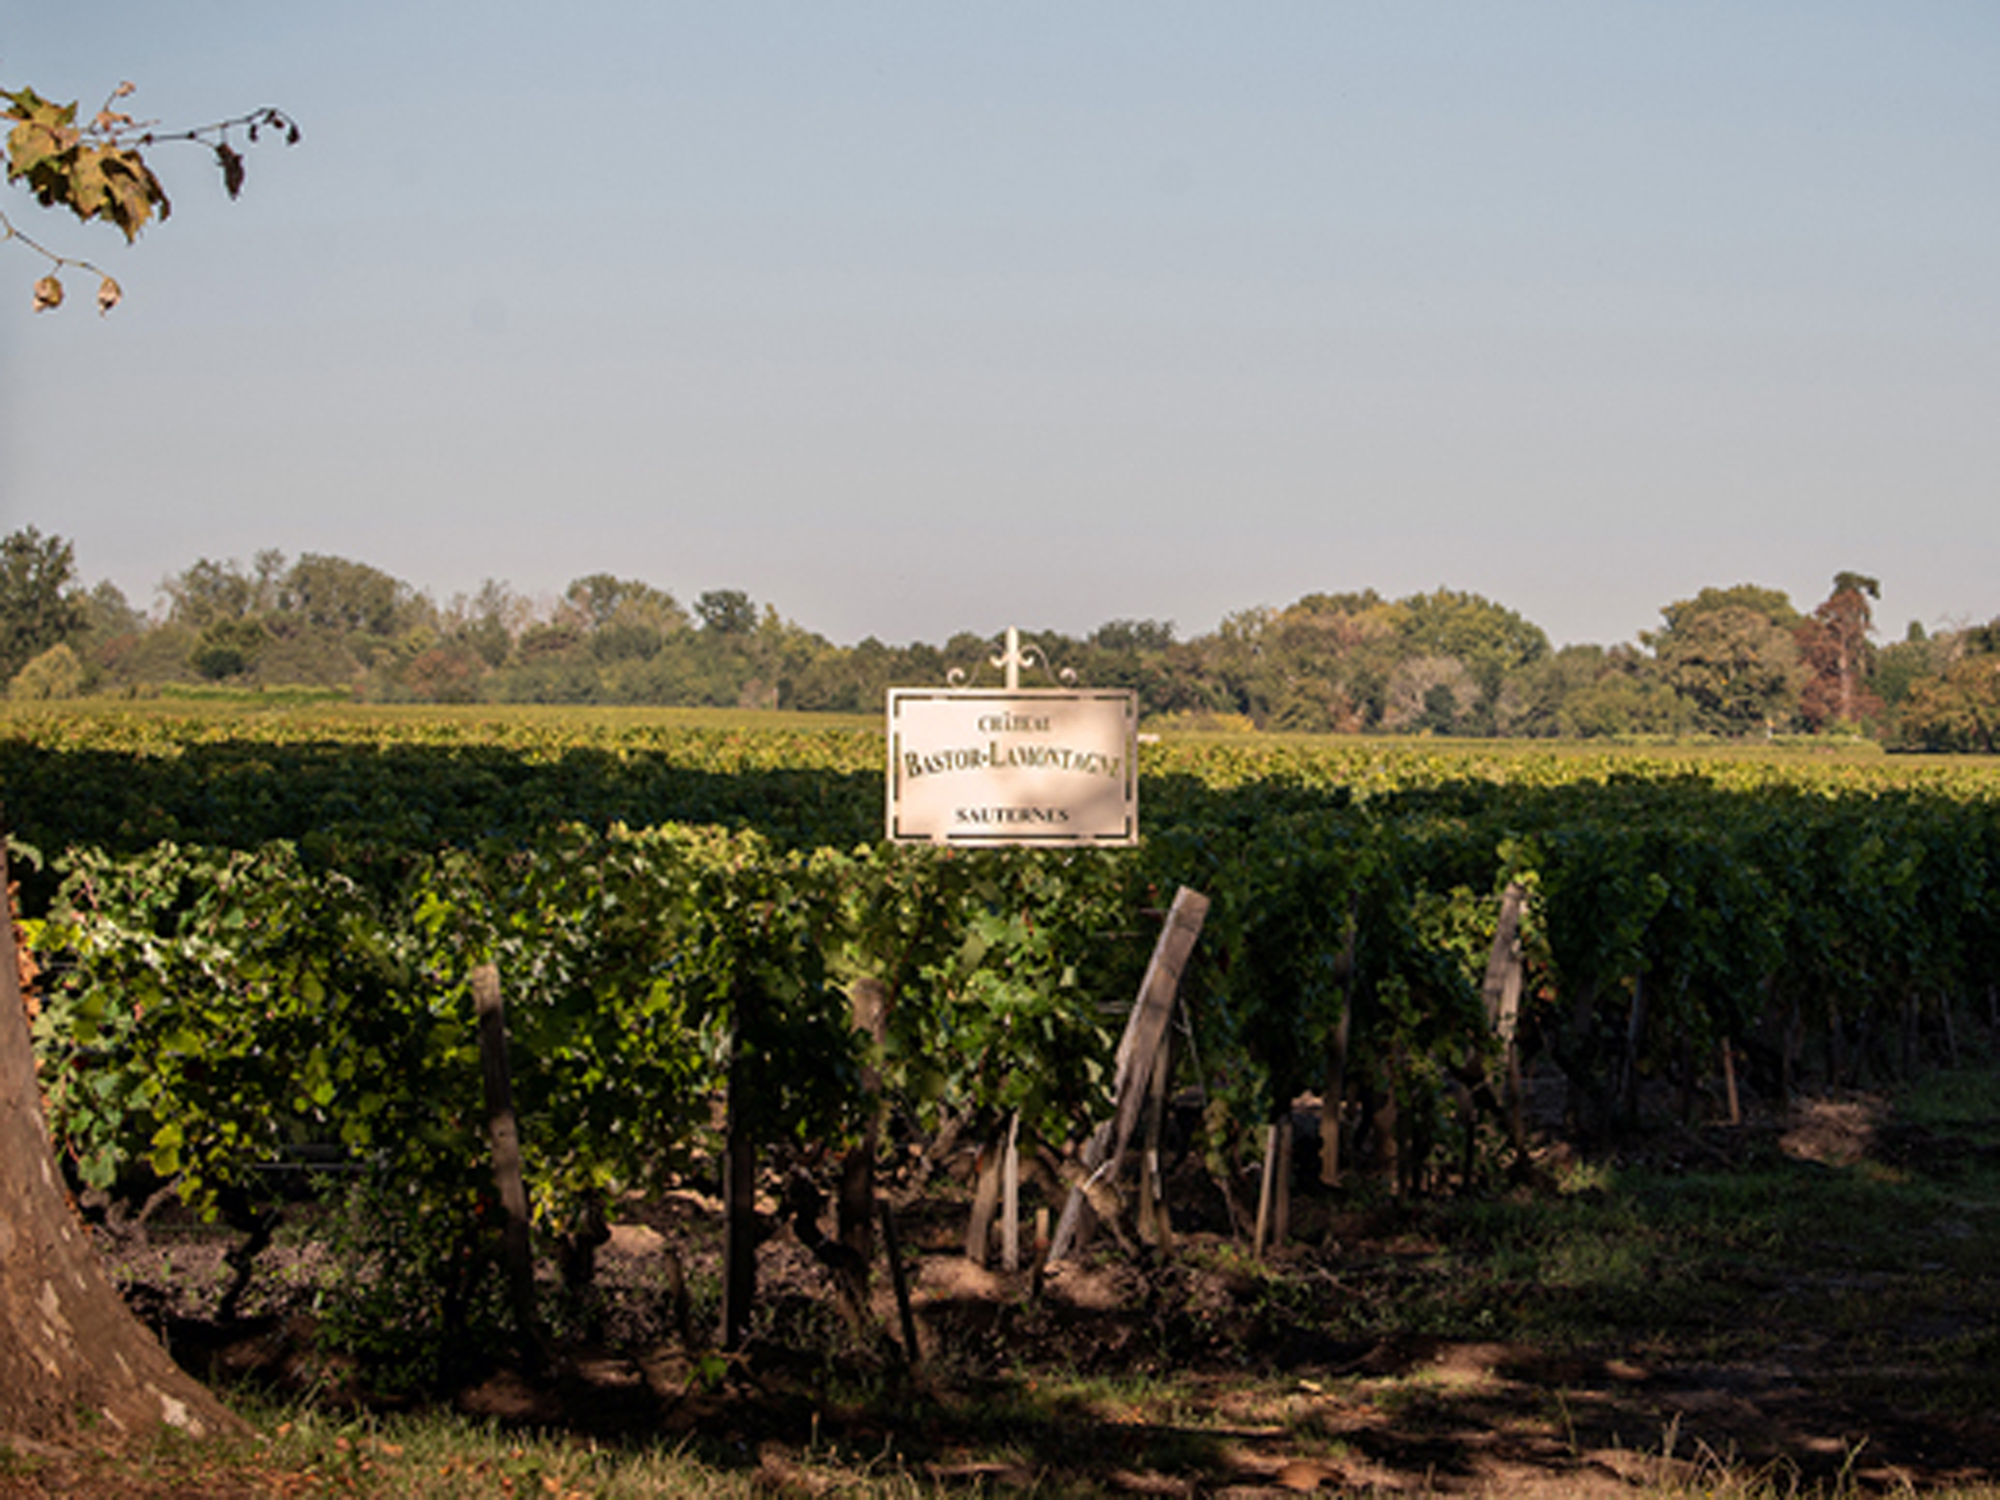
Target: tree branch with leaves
98,170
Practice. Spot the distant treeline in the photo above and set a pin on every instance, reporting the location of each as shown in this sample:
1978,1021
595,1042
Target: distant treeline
1738,661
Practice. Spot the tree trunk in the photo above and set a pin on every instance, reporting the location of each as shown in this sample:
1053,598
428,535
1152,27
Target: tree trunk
72,1356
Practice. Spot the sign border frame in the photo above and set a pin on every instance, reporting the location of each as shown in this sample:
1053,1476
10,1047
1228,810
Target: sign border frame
1123,838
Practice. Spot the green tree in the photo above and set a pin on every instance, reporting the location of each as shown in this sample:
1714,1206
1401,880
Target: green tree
40,603
228,648
1731,654
1622,696
1913,659
1774,605
208,591
1322,663
1133,635
606,602
1489,639
348,598
489,621
107,612
726,612
1344,650
56,673
1958,712
1430,695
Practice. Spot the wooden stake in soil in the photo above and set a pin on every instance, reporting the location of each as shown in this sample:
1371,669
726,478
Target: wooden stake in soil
504,1132
1501,991
1041,1262
900,1283
739,1178
1635,1033
1281,1189
1274,1192
1010,1199
1333,1100
855,1207
985,1200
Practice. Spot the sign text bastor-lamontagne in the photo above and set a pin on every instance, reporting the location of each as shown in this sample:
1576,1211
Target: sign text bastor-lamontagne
971,766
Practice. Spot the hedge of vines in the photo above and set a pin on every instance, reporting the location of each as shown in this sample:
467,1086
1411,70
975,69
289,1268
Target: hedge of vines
256,940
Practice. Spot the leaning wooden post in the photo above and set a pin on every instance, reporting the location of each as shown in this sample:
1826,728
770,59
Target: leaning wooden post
503,1130
1138,1050
739,1183
1155,1223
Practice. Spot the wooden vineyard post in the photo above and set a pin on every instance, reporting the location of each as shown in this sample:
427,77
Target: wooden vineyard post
1788,1052
1155,1224
899,1282
1140,1050
997,1190
503,1130
1501,992
739,1185
985,1201
1274,1192
1281,1190
1333,1098
855,1207
1039,1265
1628,1073
1010,1198
1333,1101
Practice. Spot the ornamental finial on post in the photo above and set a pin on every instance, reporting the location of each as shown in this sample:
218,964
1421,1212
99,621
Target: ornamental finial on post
1014,656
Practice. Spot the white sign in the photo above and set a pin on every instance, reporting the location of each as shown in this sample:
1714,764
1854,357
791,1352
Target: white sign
968,766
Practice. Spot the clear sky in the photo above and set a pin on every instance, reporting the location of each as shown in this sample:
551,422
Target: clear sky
917,317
